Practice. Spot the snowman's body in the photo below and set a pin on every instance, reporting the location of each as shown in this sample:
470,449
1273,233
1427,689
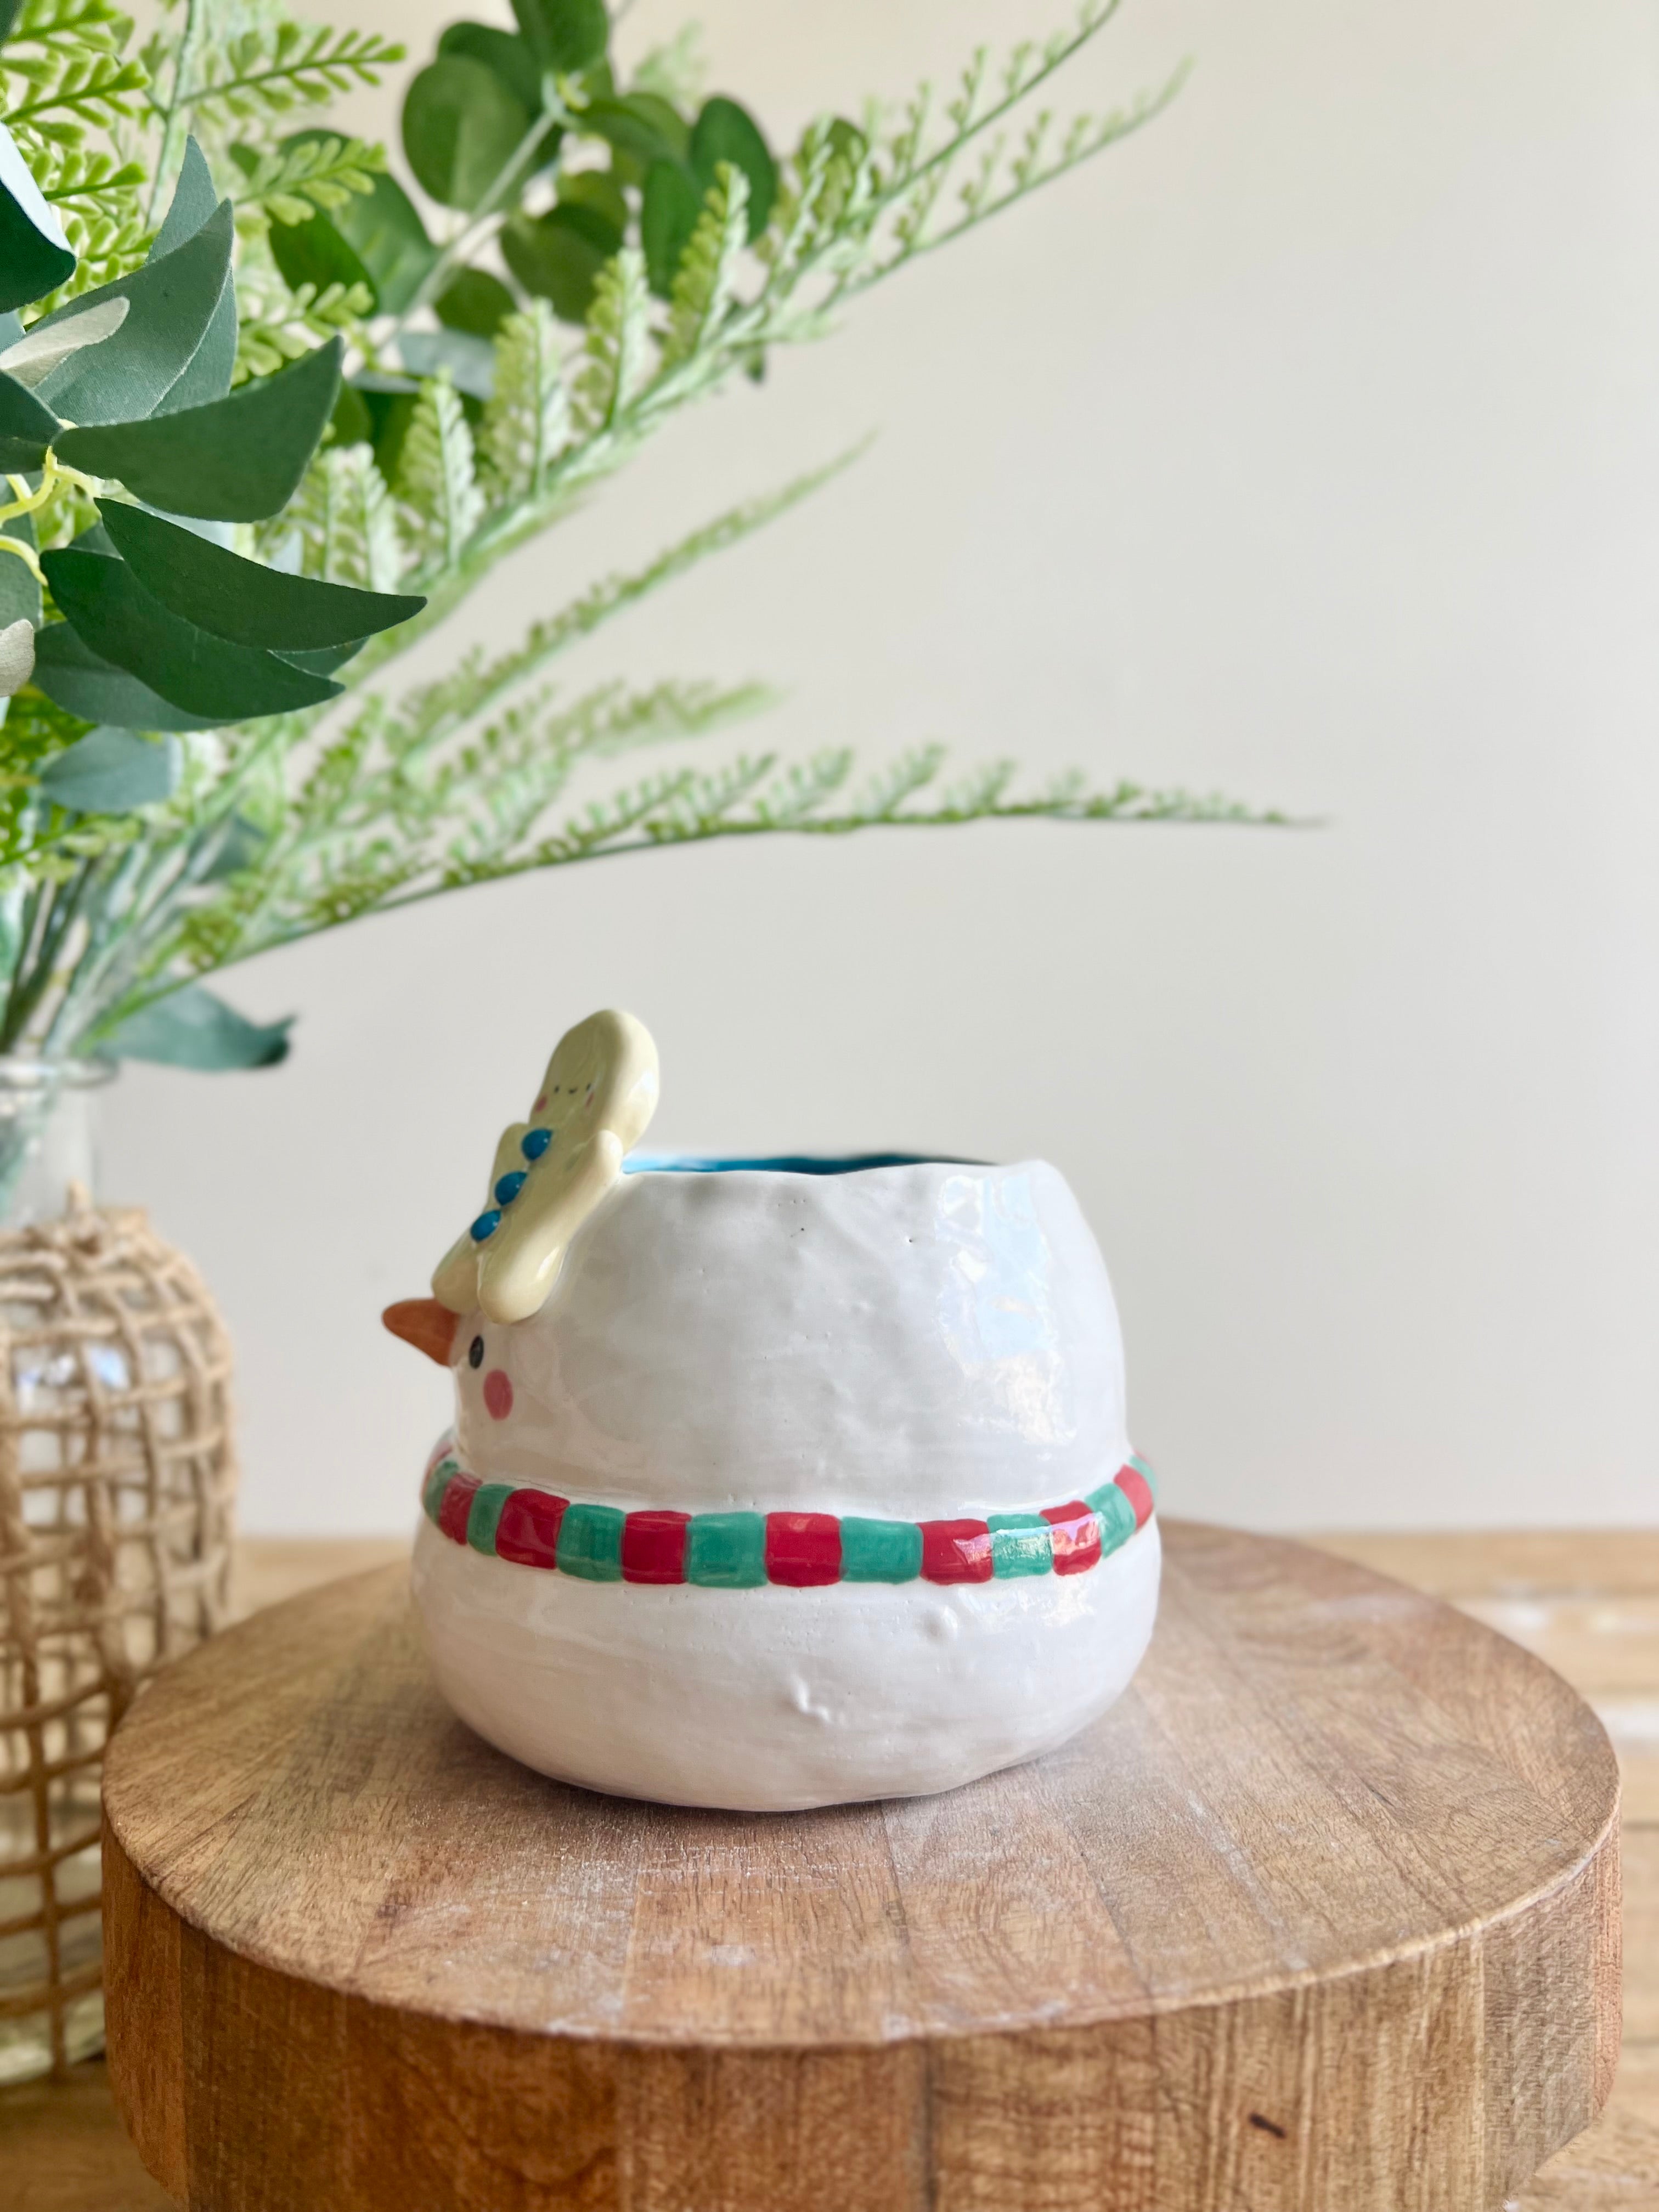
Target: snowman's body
798,1488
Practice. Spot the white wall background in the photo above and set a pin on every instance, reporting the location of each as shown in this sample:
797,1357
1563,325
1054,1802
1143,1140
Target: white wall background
1307,446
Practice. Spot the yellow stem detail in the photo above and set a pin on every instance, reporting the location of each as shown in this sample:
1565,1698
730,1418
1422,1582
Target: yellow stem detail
25,553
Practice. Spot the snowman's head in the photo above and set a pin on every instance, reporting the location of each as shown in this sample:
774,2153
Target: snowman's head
593,1104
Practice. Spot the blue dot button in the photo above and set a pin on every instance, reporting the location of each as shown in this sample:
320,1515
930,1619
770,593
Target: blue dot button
486,1224
535,1142
509,1186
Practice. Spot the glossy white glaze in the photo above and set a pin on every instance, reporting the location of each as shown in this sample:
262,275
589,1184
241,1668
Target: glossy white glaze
925,1341
775,1699
915,1342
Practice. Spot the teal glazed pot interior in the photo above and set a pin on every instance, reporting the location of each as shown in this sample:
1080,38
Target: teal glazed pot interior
811,1164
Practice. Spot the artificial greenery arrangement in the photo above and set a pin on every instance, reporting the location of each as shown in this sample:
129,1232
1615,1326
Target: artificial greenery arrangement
266,420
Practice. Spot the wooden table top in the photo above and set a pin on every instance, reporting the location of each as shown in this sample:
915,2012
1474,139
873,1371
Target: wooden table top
1589,1604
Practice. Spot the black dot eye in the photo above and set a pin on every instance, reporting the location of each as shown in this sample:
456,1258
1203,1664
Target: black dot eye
474,1353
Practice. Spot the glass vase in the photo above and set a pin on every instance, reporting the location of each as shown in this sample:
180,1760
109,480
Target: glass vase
48,1130
53,1717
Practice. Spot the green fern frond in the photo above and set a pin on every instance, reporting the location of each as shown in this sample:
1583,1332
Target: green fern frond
982,788
63,72
474,686
323,793
437,484
270,69
109,243
97,199
998,184
526,420
704,282
343,521
289,183
826,200
909,171
703,806
911,772
79,178
306,318
753,798
85,96
804,788
617,353
72,27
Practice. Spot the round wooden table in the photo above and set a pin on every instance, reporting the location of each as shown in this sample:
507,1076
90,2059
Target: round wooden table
1324,1915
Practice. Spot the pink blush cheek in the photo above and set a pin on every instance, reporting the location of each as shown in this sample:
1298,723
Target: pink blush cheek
497,1394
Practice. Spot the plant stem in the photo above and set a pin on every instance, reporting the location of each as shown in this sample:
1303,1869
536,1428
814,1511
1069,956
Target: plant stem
475,228
171,152
34,979
1120,128
16,981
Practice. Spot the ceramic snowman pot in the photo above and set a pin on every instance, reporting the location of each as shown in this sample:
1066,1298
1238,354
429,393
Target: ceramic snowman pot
773,1483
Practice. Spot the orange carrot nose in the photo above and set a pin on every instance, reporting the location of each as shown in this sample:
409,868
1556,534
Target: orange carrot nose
429,1326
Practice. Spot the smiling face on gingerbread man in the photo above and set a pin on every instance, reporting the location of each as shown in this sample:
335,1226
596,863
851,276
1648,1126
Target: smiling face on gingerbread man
550,1171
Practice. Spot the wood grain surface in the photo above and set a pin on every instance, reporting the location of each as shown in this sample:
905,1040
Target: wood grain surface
64,2149
1324,1913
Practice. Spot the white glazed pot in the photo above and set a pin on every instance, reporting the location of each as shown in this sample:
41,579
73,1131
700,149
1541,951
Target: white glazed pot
801,1487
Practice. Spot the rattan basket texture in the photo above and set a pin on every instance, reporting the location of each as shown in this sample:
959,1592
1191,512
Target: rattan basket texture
117,1477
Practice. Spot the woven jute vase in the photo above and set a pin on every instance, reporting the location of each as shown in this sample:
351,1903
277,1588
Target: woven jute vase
117,1477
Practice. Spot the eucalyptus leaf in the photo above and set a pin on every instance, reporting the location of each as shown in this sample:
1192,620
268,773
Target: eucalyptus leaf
597,189
16,656
640,125
470,361
111,770
558,256
209,371
565,36
193,201
20,593
461,128
27,427
504,51
83,683
29,361
203,674
375,239
351,423
384,229
668,215
192,1028
170,304
323,660
474,301
317,252
241,600
727,133
237,459
391,403
35,255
